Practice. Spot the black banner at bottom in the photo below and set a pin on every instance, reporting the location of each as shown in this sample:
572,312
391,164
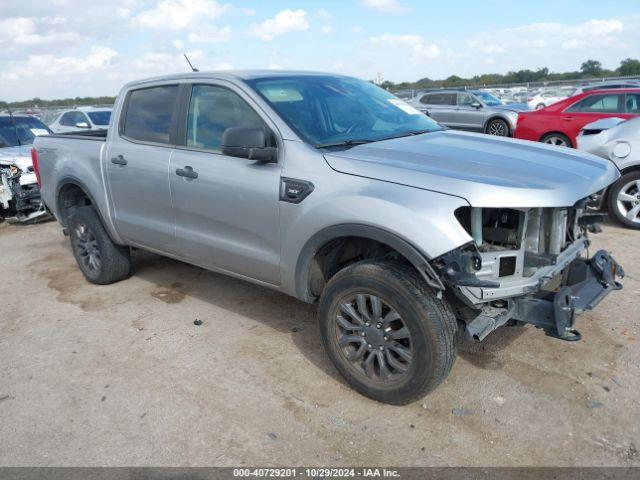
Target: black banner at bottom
224,473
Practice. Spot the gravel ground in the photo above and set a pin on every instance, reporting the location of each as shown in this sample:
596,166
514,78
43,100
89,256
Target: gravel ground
120,375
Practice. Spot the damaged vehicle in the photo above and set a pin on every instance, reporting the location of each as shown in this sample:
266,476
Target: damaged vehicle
331,190
20,200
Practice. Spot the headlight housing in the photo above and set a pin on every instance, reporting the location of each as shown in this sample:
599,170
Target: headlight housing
513,118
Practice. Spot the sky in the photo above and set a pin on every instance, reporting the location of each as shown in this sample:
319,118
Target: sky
68,48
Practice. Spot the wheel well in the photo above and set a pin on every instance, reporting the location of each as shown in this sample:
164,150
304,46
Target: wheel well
70,198
557,133
629,169
336,254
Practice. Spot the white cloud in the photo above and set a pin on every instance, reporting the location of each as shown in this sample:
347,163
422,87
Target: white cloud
180,14
19,32
98,59
326,29
393,6
555,45
285,21
416,44
210,34
322,14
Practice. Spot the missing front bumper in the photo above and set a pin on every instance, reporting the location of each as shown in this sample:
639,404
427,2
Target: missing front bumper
584,284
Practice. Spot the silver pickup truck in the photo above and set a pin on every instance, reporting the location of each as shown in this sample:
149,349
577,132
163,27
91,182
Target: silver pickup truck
331,190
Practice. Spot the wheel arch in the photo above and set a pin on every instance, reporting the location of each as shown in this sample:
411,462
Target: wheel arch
72,193
308,269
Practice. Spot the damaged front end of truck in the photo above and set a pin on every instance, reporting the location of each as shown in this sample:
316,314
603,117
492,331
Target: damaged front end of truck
527,265
20,200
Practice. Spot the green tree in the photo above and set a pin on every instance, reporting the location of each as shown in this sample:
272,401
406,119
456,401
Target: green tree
592,68
629,66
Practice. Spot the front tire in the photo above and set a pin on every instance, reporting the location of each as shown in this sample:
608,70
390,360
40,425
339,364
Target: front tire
100,260
386,332
498,127
624,200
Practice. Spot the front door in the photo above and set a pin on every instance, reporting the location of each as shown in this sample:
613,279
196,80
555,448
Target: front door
137,162
226,208
468,116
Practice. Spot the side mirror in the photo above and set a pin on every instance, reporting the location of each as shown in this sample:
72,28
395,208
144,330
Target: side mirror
248,142
476,105
82,125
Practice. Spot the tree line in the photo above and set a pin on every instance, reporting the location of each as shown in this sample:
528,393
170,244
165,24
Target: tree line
588,69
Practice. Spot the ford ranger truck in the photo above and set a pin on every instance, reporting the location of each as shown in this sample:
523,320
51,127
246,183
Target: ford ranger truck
331,190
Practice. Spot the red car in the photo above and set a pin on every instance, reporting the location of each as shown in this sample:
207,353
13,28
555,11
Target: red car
560,123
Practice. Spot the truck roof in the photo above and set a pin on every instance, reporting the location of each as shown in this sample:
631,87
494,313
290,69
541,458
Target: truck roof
230,75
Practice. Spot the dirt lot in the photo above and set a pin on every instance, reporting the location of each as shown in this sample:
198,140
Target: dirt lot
120,375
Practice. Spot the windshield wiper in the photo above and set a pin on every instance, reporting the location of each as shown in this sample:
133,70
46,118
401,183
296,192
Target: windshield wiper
351,143
344,143
407,134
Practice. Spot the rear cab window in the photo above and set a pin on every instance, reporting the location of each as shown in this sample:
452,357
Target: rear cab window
149,114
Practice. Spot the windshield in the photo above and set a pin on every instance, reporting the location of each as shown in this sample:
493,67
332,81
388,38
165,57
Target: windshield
100,118
326,110
23,133
488,99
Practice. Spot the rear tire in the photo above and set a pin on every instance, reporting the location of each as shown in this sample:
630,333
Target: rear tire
384,311
101,261
557,139
624,200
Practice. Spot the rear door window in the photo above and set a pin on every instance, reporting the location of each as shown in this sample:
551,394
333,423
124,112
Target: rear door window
606,103
632,103
439,99
149,114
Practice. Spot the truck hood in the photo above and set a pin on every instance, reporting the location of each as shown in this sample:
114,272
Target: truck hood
485,170
19,156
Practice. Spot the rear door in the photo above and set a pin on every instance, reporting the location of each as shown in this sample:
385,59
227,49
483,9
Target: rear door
137,166
227,208
589,109
440,106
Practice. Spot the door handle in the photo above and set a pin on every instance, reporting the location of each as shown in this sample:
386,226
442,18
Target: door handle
119,160
187,172
567,119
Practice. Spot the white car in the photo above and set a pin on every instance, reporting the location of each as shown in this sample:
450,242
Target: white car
77,119
544,98
619,141
19,192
